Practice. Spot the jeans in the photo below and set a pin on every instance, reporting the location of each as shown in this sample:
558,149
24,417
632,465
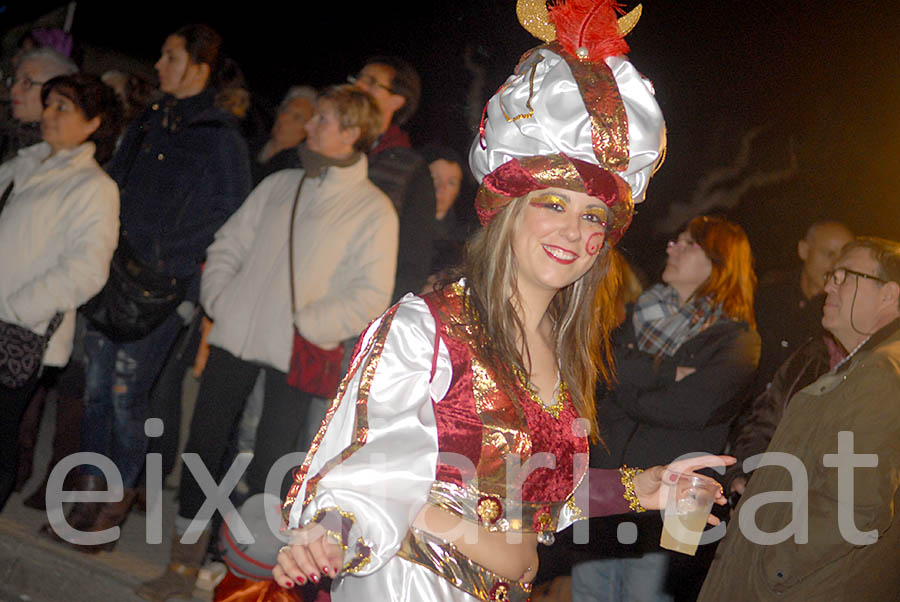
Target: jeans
118,380
637,579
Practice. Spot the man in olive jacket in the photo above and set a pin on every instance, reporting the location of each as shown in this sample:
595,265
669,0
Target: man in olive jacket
819,520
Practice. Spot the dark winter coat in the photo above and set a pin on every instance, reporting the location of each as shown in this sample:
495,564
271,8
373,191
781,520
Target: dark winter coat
649,418
183,169
402,174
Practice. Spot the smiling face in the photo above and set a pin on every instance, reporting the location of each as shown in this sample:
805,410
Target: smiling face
687,266
557,240
64,125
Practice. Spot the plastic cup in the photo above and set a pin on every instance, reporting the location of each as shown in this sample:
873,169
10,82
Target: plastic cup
687,509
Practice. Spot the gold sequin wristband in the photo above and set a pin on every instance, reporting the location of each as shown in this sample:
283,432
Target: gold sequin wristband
631,497
337,524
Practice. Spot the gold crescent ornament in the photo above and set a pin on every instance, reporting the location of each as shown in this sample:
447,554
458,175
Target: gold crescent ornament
535,19
630,19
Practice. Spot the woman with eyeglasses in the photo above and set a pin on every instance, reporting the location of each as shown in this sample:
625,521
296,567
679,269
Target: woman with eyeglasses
687,349
59,220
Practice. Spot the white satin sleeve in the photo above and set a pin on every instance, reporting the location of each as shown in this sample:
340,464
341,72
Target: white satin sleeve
373,462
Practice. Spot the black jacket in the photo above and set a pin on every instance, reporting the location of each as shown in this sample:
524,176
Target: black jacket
402,174
182,169
648,418
785,319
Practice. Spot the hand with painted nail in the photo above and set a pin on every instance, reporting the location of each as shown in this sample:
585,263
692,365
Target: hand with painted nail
309,555
653,486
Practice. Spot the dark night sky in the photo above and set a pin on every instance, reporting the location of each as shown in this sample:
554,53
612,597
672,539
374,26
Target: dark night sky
819,79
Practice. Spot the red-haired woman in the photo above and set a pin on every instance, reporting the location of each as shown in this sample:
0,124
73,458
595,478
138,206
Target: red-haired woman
687,349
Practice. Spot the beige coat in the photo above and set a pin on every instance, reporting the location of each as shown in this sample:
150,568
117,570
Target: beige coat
345,256
58,232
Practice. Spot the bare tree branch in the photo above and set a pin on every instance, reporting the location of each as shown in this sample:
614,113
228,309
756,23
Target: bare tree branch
723,187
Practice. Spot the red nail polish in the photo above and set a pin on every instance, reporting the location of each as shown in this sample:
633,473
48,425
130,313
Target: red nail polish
301,580
325,569
314,578
289,584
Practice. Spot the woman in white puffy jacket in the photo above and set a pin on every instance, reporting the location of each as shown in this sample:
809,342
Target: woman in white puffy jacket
58,230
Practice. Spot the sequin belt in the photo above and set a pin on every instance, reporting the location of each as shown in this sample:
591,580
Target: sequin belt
445,560
494,513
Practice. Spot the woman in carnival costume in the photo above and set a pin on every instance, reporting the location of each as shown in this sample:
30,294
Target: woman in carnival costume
458,439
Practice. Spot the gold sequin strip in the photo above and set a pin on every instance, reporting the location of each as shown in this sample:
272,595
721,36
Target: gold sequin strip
446,561
609,122
561,394
631,497
362,557
494,513
361,433
327,517
530,112
320,434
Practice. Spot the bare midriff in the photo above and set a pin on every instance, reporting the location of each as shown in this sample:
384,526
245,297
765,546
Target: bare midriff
512,555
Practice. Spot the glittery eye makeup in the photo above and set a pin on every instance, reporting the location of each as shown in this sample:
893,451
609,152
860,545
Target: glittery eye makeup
598,216
548,201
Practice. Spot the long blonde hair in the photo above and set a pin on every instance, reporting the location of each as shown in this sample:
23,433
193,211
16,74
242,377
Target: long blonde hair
582,314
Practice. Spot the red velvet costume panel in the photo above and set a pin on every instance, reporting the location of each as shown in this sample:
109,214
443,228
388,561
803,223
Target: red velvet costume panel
485,425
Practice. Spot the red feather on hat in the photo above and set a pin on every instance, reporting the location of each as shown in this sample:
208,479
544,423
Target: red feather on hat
591,24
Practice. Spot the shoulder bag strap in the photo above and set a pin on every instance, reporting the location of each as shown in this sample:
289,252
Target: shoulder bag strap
57,318
55,321
291,245
6,194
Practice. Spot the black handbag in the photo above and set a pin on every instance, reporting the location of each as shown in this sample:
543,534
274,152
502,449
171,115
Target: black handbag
21,349
135,299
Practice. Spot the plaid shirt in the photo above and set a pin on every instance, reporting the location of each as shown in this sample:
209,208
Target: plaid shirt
662,325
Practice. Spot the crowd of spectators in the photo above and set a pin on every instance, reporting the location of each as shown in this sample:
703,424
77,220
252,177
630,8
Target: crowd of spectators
277,247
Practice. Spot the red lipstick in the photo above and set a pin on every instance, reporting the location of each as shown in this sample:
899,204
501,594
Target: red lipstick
563,256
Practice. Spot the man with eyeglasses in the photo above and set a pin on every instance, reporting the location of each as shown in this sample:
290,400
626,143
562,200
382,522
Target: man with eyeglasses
34,68
789,310
796,349
398,170
835,534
